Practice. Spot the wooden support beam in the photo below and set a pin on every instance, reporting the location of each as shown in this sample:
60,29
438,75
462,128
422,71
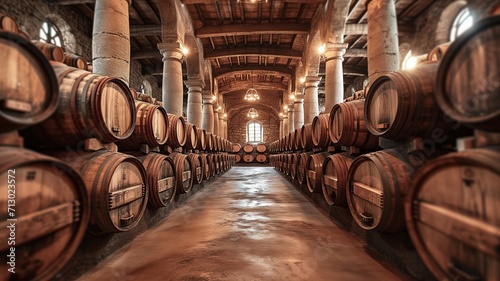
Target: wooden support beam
254,51
362,29
145,30
70,2
188,2
355,53
243,69
248,29
239,85
146,54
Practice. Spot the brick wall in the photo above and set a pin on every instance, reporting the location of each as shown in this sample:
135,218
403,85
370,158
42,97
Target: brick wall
237,126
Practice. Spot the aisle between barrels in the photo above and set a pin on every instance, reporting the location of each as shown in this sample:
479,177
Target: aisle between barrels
249,224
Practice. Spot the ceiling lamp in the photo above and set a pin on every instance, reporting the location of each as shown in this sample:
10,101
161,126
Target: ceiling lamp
252,94
251,1
252,113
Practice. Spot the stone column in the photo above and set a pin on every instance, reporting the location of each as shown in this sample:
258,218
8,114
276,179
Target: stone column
194,104
311,106
216,122
208,113
111,29
172,89
281,126
222,125
298,111
285,125
291,124
334,77
383,51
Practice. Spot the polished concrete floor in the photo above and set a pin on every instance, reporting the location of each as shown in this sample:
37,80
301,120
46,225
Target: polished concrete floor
249,224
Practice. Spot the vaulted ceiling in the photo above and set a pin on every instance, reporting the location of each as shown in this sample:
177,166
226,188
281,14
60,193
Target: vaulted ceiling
253,44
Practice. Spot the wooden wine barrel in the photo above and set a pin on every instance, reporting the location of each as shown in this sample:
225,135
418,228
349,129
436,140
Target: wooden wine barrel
307,141
294,165
75,61
238,158
161,179
236,148
90,106
248,158
201,137
248,148
467,85
261,148
151,127
438,52
320,134
215,145
218,163
218,140
314,171
50,51
291,141
261,158
177,131
452,215
191,137
334,181
347,126
183,172
196,167
52,212
205,166
378,183
208,142
117,188
302,167
8,24
298,139
28,87
212,164
402,104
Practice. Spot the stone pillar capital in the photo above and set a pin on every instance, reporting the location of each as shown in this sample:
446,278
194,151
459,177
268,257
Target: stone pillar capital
195,85
208,99
312,81
335,51
171,51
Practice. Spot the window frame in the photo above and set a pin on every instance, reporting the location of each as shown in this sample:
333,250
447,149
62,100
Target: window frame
53,31
463,16
261,132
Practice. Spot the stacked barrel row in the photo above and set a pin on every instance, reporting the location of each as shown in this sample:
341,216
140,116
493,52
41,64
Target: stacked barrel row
251,153
424,177
71,178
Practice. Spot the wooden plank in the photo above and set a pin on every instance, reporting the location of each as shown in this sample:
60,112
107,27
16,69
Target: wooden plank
186,175
331,181
124,196
311,174
166,183
468,230
14,105
368,193
35,225
251,29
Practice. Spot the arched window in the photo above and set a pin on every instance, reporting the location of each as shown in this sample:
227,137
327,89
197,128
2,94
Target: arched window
462,22
51,34
254,131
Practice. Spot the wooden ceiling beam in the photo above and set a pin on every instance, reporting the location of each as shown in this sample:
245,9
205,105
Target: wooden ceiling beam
239,85
145,30
254,51
246,29
362,29
244,69
71,2
189,2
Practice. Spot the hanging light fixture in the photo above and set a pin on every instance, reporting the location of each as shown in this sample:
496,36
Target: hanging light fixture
252,94
252,113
